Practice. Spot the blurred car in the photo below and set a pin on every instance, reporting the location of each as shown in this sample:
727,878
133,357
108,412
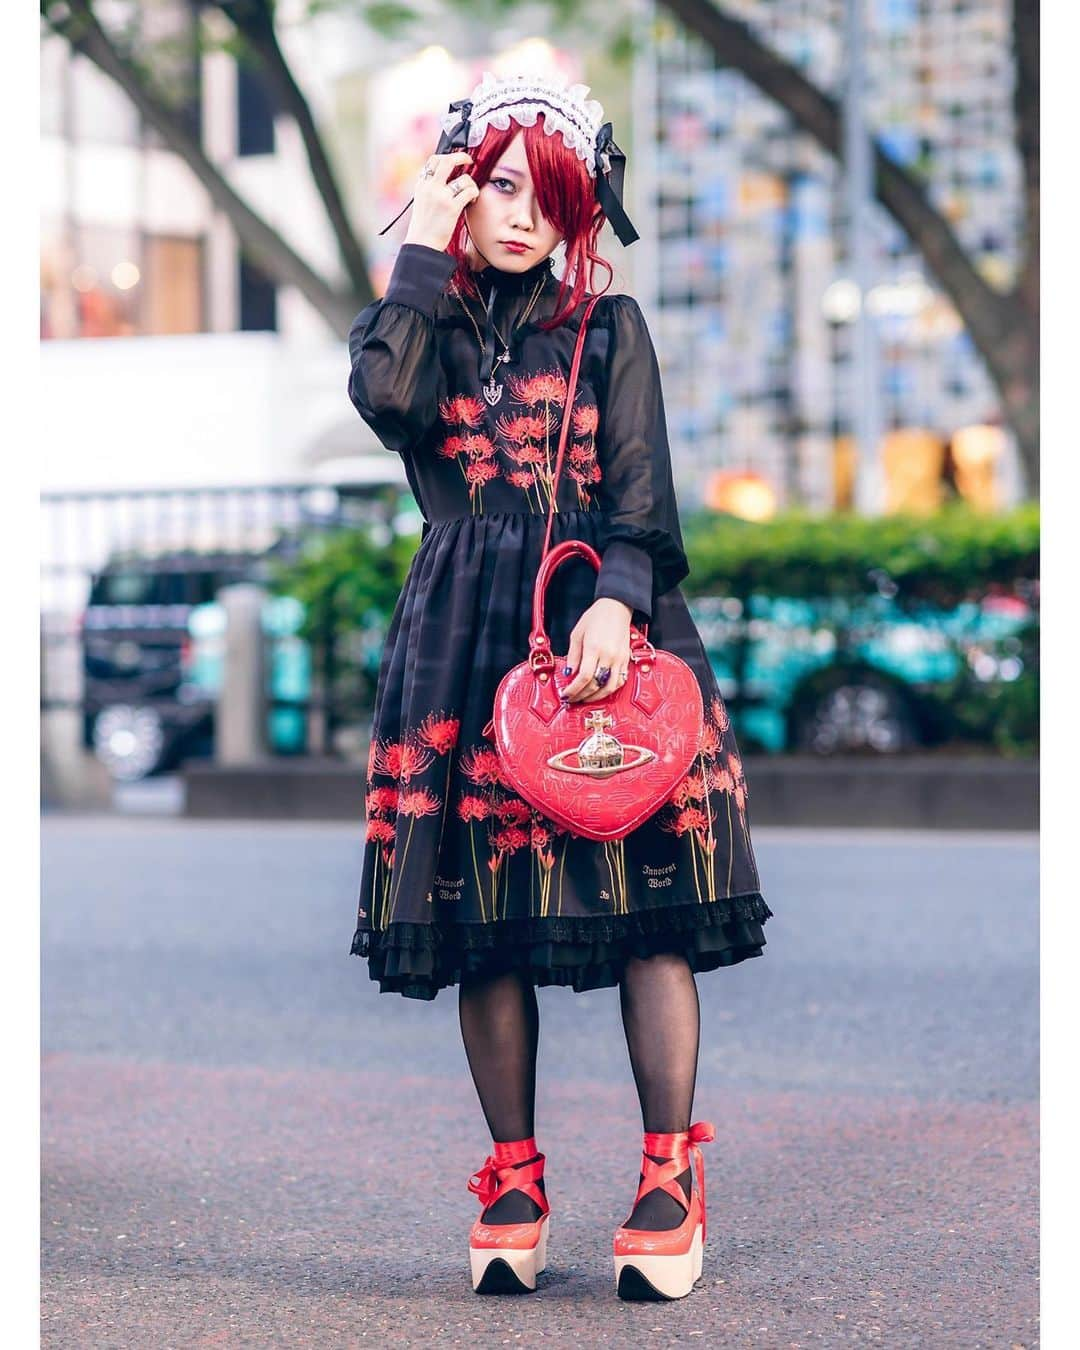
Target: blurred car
148,697
134,637
850,675
153,658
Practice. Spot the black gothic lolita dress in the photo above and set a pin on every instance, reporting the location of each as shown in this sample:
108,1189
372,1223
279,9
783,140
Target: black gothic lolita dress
459,874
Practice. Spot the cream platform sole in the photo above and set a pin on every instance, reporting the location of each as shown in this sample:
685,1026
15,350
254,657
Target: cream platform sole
651,1277
504,1270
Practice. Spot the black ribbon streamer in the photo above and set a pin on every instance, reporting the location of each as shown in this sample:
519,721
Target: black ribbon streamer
610,171
487,357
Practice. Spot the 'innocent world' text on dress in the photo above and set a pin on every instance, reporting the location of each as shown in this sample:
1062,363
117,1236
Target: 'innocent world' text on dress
460,874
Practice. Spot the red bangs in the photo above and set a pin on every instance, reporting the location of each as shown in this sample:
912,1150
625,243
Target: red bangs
566,196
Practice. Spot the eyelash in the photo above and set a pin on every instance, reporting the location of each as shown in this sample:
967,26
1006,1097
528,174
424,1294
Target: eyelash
502,180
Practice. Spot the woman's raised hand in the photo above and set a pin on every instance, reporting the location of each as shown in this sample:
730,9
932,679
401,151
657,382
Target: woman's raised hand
437,203
601,637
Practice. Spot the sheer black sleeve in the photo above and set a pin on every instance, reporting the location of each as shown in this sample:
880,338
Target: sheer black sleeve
643,547
396,377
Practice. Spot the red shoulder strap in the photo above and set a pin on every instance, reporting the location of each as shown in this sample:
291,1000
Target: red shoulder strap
571,390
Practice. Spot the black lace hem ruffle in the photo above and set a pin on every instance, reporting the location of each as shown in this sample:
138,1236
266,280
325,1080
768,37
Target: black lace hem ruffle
417,960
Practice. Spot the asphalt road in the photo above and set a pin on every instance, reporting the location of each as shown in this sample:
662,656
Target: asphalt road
244,1144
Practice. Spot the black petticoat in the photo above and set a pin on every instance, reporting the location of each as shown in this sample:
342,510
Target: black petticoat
417,960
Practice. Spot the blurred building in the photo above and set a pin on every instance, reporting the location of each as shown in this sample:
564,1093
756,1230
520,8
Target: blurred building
131,243
205,370
202,370
746,222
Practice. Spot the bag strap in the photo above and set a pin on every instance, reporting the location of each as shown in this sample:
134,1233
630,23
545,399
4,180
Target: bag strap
571,390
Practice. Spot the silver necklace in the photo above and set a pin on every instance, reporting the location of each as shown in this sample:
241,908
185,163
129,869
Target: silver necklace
492,391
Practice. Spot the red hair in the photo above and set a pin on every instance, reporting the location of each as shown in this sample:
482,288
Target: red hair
566,196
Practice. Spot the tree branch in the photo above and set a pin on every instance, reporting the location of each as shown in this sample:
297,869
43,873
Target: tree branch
819,115
78,25
1002,325
254,21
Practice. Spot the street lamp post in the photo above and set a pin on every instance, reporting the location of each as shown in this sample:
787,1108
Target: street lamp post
858,169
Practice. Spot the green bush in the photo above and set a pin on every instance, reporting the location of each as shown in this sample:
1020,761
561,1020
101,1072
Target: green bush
349,582
941,559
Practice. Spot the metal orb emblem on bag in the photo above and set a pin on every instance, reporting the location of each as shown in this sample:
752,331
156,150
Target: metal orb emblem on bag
600,755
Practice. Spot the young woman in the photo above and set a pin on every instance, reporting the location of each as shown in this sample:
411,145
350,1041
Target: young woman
462,369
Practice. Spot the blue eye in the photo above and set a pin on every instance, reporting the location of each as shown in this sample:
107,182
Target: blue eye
502,180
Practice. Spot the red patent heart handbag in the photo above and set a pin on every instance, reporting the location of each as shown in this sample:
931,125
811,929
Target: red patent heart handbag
600,768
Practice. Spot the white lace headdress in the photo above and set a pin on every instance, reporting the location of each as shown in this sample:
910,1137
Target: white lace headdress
498,99
567,111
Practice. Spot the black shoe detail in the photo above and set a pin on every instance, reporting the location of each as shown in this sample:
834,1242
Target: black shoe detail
634,1287
499,1278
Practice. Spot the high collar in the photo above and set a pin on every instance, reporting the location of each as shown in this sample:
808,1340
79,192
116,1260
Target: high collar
511,283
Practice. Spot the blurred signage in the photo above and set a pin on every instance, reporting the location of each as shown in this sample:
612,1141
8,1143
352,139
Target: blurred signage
914,459
976,452
741,493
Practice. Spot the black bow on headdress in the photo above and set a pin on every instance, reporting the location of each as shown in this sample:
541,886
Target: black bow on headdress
455,139
608,161
610,165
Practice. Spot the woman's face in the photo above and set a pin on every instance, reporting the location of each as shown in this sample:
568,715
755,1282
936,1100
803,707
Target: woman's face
506,212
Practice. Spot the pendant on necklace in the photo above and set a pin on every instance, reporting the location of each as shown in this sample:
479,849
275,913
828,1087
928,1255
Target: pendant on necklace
492,391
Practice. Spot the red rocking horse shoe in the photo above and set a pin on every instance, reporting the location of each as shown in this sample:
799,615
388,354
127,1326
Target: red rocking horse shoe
505,1258
664,1263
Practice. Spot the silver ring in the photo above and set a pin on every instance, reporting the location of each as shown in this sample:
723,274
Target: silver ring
428,171
457,187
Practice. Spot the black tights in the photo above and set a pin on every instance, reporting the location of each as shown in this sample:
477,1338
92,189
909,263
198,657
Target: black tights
500,1026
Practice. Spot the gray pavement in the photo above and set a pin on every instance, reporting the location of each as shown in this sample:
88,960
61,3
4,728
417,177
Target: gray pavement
245,1144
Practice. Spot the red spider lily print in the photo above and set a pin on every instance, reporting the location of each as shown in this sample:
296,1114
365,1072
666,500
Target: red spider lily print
522,451
511,825
479,472
451,447
475,455
585,420
548,387
501,827
441,733
402,760
531,440
480,764
462,411
690,806
584,467
522,430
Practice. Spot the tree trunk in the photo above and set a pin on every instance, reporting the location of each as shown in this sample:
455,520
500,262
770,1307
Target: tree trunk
266,246
1003,326
253,19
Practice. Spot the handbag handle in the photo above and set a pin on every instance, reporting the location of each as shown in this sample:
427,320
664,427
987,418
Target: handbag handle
540,657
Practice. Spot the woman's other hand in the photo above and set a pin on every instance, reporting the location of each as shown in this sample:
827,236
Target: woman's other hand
601,637
437,202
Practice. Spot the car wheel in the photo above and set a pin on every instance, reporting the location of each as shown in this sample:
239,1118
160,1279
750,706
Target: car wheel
859,713
129,741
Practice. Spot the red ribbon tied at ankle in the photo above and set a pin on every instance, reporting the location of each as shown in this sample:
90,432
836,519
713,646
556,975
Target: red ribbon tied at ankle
702,1132
485,1182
